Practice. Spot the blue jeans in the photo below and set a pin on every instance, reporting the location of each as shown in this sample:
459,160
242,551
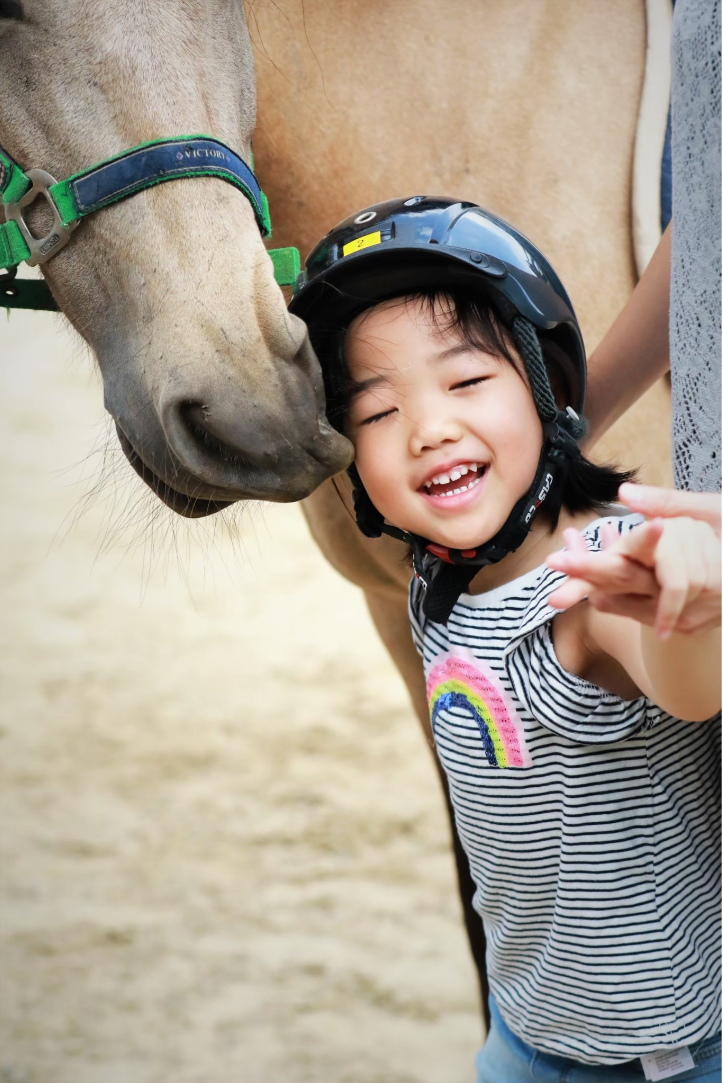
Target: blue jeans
505,1058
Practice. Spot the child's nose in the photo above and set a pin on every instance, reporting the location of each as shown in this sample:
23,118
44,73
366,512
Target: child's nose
432,433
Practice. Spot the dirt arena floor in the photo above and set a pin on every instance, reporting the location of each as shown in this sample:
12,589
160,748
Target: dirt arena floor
223,849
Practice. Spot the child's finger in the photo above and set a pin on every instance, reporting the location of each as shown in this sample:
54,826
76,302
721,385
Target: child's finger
575,541
569,593
608,570
638,545
609,535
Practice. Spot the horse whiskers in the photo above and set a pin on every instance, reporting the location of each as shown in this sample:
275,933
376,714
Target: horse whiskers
131,519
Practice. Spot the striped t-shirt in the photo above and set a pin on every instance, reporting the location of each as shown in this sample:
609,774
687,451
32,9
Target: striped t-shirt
592,827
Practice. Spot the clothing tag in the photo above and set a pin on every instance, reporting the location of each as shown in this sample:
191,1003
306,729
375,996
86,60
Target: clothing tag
666,1063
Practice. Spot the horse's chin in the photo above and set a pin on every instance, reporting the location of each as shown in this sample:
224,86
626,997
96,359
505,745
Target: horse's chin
191,507
201,498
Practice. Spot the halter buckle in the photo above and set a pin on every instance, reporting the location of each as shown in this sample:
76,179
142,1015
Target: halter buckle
41,248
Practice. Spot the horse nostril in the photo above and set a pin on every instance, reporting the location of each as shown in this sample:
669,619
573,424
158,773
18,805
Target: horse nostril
231,441
194,419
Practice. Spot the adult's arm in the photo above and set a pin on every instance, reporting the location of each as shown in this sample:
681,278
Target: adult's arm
635,352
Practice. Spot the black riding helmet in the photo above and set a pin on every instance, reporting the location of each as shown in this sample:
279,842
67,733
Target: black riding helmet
406,246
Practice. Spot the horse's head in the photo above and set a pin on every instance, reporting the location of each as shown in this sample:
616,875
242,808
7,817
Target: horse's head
214,388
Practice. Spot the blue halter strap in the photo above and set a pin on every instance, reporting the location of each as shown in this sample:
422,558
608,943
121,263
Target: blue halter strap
108,182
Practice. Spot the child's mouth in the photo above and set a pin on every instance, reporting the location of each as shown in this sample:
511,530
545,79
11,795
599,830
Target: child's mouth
460,480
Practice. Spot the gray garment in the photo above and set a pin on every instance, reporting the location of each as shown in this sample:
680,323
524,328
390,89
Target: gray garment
695,297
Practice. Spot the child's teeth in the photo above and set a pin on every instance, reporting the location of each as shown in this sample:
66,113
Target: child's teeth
455,475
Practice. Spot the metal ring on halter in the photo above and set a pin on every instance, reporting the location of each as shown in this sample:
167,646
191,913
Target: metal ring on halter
41,248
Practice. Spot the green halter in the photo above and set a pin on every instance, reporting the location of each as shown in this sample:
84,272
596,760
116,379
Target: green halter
108,182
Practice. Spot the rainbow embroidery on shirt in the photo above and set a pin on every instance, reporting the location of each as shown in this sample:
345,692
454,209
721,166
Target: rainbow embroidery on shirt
460,680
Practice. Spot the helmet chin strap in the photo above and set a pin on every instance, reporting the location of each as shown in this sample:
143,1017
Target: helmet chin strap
446,573
453,573
449,575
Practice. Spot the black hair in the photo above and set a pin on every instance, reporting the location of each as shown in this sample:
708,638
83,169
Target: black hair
586,486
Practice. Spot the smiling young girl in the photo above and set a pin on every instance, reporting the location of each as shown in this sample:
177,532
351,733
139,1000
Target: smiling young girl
579,746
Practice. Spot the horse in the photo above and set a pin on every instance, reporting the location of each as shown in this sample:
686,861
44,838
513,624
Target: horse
214,389
511,106
528,109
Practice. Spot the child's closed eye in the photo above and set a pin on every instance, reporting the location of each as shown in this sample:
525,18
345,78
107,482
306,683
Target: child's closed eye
378,417
469,383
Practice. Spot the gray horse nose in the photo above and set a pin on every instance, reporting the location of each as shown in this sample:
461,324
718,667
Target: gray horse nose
236,442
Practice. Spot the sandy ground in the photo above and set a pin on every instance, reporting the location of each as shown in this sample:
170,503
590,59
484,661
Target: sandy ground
223,850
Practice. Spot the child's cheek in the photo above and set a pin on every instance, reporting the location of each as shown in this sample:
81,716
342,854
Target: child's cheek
367,462
374,463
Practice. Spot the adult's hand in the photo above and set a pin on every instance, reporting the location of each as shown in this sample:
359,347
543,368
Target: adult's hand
632,577
672,503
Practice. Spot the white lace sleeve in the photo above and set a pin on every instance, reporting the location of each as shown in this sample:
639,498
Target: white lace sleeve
695,296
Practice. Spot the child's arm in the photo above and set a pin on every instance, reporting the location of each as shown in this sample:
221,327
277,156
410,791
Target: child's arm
680,558
681,674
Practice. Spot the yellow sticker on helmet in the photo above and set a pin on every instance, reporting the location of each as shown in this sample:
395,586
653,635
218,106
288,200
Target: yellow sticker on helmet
366,241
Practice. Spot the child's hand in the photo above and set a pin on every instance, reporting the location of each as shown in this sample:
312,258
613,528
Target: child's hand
664,573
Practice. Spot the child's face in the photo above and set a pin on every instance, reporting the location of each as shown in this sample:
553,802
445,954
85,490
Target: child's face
434,416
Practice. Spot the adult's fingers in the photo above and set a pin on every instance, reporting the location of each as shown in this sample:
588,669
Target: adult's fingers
671,503
677,588
689,571
641,543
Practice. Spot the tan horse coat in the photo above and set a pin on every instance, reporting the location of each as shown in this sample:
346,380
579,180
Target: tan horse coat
212,384
527,108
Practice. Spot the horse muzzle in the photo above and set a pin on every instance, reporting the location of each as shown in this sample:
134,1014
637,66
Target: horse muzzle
197,464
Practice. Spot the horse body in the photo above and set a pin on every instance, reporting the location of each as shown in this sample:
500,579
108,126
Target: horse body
528,109
213,386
